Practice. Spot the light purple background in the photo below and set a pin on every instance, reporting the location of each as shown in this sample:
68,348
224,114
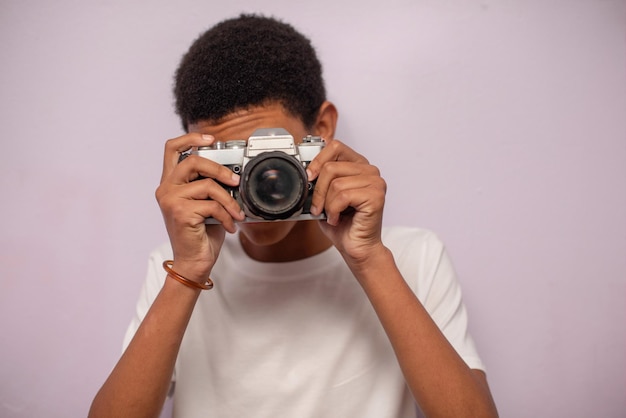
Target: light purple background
501,125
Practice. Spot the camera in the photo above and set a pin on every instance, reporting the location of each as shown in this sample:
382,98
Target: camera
272,168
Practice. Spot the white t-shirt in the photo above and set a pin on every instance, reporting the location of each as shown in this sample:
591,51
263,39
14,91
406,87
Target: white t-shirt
300,339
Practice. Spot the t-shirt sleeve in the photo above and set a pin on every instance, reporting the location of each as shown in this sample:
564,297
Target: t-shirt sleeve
155,278
445,304
426,266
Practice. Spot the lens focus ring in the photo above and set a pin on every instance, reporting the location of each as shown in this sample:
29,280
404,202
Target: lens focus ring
274,185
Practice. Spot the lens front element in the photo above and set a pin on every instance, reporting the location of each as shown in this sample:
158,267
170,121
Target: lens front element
274,185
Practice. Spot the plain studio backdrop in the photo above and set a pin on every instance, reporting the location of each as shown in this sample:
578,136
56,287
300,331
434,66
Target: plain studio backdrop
500,125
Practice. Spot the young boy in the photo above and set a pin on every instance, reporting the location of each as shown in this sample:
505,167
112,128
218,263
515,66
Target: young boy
311,318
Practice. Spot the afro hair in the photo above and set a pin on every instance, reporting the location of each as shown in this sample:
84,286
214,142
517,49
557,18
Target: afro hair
248,61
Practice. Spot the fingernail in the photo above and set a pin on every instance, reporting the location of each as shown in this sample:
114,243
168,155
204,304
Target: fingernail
235,177
208,137
309,174
314,211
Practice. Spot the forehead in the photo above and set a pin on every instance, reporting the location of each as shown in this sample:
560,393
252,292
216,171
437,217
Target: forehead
241,124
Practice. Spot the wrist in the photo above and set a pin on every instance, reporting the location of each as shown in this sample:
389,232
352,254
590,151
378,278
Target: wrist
190,274
370,263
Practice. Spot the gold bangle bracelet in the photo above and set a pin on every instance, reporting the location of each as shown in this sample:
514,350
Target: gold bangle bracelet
167,265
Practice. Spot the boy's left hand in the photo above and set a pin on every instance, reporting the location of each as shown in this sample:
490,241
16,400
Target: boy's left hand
352,193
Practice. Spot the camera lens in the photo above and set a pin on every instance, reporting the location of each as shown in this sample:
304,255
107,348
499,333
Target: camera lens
274,185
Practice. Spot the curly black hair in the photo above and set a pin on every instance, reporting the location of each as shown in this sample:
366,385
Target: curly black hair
248,61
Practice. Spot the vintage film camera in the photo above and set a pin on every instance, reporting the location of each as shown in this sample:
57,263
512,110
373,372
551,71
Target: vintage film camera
274,184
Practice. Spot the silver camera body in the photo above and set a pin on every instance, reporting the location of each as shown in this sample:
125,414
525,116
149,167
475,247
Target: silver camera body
274,184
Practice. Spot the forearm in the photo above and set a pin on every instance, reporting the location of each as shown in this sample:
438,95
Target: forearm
138,384
439,379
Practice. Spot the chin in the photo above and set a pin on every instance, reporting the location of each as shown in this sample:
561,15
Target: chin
266,233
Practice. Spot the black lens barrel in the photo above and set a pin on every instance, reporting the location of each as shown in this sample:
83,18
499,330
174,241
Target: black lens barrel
274,185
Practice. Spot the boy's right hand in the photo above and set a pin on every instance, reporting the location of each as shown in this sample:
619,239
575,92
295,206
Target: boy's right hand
185,203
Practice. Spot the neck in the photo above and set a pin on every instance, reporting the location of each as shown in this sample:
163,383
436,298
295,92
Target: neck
304,240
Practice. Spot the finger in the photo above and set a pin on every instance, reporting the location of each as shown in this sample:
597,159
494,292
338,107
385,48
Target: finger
334,170
175,147
208,189
205,189
334,150
218,213
366,195
194,166
201,189
194,212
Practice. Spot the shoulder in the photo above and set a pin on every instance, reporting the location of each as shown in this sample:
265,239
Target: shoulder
405,241
420,256
162,252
